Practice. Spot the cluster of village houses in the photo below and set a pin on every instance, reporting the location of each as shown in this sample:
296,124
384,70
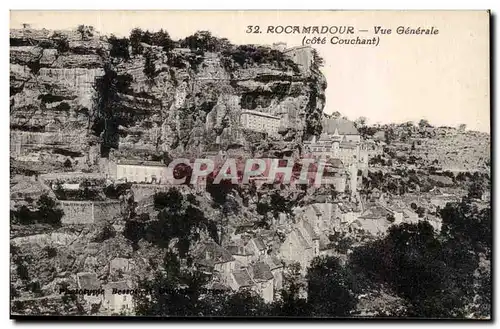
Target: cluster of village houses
256,259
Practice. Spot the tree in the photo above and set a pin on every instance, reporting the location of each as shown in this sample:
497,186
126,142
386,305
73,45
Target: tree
67,163
336,115
149,65
178,219
317,59
290,302
135,38
205,41
85,31
119,47
390,136
329,288
359,122
434,275
134,231
423,123
465,222
81,29
462,127
476,190
47,211
162,39
174,292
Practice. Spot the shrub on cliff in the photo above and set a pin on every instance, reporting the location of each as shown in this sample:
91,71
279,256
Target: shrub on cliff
329,288
48,212
160,39
205,41
135,41
149,65
119,47
85,31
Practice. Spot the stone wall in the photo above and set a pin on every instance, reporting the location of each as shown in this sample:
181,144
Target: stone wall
144,191
87,212
106,210
45,239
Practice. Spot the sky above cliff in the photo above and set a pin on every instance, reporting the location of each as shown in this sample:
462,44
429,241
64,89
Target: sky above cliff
443,78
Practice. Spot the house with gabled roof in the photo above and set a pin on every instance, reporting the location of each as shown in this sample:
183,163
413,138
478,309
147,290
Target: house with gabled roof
118,298
212,258
263,278
256,246
88,281
276,268
301,244
240,253
240,279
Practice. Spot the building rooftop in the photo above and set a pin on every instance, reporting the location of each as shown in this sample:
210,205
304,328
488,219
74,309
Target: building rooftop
273,262
141,163
88,281
119,285
303,242
375,211
242,278
343,126
210,253
259,243
261,272
309,230
262,114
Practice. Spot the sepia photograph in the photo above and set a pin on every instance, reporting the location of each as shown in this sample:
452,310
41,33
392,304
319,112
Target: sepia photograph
250,164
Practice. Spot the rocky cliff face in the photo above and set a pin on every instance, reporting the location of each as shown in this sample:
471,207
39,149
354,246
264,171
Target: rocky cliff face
69,96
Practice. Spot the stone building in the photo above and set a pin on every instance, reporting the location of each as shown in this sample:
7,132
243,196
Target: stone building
259,121
89,281
141,171
301,245
302,56
263,280
118,298
340,140
88,212
213,259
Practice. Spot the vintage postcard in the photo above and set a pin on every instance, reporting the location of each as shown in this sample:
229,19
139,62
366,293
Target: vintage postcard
313,164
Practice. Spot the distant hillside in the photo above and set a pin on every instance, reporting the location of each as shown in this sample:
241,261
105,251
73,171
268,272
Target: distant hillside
446,148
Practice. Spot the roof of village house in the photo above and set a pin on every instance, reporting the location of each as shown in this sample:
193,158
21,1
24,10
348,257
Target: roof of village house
261,272
120,285
343,126
216,254
259,243
372,227
273,262
324,242
242,278
302,240
88,281
141,163
375,211
218,286
317,209
309,230
346,206
235,249
119,262
335,163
